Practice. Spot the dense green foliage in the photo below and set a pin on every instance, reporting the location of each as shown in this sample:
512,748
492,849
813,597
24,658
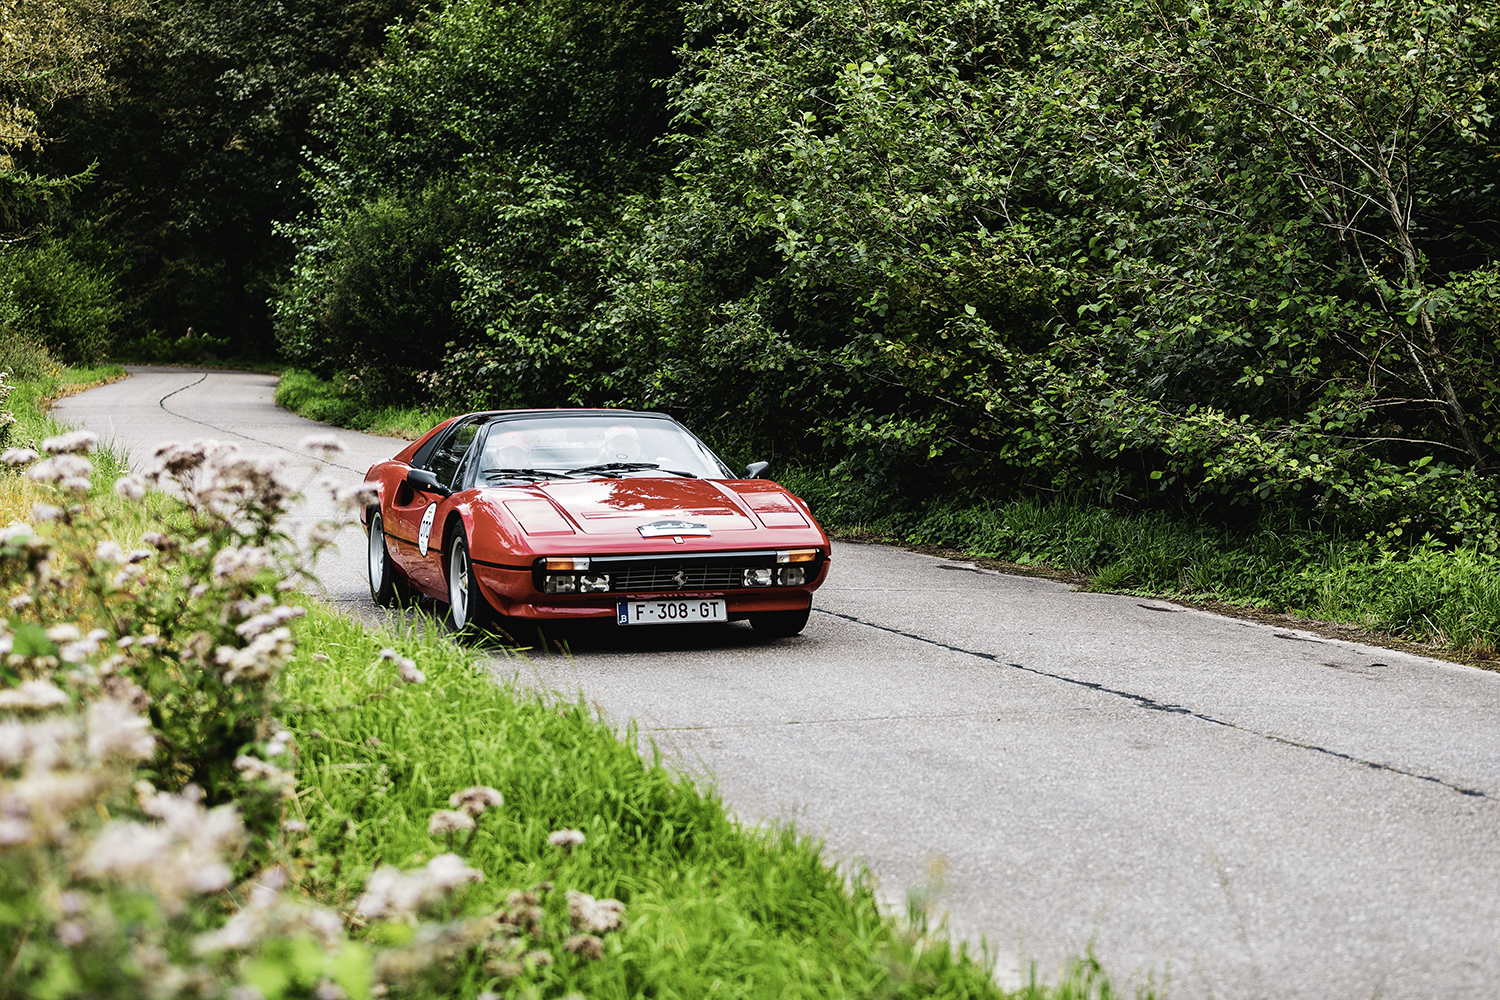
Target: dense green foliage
192,142
1222,259
1217,260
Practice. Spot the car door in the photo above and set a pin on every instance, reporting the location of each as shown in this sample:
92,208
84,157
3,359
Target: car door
417,515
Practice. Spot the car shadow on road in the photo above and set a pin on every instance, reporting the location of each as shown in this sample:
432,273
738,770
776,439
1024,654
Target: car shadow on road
570,638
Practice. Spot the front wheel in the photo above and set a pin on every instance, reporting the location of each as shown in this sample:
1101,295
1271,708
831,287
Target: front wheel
387,588
468,610
779,624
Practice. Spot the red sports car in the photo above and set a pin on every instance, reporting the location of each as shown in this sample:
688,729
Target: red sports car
576,514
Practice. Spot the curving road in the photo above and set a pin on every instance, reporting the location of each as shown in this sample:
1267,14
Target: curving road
1229,808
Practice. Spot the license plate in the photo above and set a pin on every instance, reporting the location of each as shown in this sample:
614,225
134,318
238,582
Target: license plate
708,609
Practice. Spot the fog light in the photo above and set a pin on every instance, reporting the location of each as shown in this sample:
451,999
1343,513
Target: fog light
758,577
792,576
559,583
593,584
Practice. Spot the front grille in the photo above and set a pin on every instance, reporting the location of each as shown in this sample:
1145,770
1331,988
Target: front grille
678,577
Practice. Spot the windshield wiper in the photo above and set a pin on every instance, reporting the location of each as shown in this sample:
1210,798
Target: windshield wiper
629,467
521,473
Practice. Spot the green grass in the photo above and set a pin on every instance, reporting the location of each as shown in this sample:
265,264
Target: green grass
332,402
714,909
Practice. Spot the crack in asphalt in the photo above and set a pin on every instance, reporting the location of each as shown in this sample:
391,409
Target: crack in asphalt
1156,706
240,434
818,722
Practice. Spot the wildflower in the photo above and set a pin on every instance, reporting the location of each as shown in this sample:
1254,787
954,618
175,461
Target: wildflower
124,690
407,668
115,730
159,540
176,459
590,914
586,945
388,654
448,871
61,467
259,624
131,487
109,550
15,831
566,839
41,513
33,695
19,456
538,958
39,744
240,563
20,602
327,989
72,933
323,445
475,800
258,660
294,826
73,442
391,894
66,632
449,821
255,769
357,497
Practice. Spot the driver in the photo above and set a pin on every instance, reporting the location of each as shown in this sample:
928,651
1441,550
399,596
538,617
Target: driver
511,450
621,444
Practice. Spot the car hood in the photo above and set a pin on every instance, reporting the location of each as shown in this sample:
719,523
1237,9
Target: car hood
617,506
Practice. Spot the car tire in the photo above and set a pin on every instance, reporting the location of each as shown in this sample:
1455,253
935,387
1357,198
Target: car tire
779,624
469,611
387,585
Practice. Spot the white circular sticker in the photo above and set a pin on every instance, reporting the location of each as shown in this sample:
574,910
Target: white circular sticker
425,531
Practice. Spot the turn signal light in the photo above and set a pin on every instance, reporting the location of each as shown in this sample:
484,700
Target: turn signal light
565,562
796,555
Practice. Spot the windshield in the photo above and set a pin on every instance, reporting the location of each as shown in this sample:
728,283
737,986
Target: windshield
593,444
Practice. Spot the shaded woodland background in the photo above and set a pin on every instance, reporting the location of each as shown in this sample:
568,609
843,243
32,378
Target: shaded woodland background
1222,259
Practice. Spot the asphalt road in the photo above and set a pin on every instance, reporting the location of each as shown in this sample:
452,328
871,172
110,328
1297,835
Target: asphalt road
1227,808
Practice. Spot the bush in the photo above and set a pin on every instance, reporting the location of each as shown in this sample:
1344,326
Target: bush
52,301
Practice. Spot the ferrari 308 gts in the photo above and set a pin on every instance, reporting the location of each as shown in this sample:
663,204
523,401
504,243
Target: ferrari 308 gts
576,514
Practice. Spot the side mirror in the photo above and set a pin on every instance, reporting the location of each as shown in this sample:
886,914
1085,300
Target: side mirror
425,481
754,469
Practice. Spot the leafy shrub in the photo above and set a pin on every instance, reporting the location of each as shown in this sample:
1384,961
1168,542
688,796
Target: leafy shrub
55,302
